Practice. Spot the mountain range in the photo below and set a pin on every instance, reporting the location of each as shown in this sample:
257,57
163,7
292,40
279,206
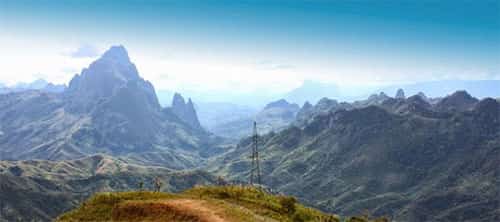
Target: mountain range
412,157
405,158
312,91
108,108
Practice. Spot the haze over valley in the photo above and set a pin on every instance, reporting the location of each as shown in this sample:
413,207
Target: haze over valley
250,111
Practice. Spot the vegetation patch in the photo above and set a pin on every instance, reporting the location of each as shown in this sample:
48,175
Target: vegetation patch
201,204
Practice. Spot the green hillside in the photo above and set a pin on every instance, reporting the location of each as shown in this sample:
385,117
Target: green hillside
207,203
407,159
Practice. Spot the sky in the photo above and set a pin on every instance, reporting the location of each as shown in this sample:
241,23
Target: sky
259,47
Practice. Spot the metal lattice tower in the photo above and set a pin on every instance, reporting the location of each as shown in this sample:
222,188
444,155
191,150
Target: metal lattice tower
255,171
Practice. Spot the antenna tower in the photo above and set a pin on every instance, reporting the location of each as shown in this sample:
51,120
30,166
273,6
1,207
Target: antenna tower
255,171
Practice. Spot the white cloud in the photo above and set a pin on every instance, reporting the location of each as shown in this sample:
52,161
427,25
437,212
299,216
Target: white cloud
271,65
205,74
174,67
85,50
22,60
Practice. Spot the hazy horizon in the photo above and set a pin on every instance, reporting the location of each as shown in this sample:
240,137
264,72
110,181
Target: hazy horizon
263,49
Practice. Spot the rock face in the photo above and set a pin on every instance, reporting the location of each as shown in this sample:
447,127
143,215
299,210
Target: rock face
458,101
305,111
108,108
108,77
185,111
405,158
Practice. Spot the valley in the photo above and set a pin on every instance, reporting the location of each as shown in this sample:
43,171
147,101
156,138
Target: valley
413,158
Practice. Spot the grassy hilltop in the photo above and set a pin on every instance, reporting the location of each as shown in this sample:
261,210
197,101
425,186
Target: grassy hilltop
203,204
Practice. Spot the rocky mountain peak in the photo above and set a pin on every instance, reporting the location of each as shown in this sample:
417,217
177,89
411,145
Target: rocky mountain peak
190,102
178,100
422,95
376,99
417,99
307,105
116,53
460,101
185,111
400,94
105,77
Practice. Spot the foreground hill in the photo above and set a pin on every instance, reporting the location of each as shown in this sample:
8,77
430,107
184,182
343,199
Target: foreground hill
108,108
39,190
204,204
400,157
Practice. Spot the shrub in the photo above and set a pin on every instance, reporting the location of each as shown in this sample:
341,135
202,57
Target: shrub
297,217
288,204
366,219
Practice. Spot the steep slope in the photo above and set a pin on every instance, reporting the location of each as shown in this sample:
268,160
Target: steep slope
40,190
404,160
458,101
185,111
108,108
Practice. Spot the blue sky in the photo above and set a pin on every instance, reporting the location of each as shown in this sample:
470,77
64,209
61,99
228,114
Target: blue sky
255,46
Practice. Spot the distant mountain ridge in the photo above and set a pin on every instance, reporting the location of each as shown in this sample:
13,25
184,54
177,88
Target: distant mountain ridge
312,91
39,84
273,117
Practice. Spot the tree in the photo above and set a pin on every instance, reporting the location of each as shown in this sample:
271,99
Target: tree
288,204
141,185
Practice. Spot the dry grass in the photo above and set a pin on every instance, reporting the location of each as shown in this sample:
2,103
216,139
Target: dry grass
154,211
199,204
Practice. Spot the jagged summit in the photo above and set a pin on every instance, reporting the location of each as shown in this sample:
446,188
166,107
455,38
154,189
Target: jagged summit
326,102
116,53
106,77
458,101
400,94
185,111
307,105
178,100
114,63
422,95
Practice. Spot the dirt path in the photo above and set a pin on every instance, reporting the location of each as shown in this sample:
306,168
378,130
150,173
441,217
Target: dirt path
196,207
